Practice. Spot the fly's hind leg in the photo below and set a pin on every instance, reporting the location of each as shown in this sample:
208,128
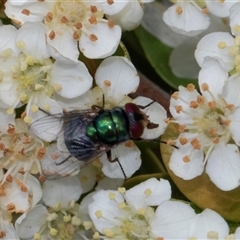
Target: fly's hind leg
109,157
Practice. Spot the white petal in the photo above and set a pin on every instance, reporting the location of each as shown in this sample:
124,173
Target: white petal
35,189
184,99
130,17
64,44
152,21
118,71
237,233
62,190
9,230
114,8
9,95
105,45
231,90
235,125
156,113
45,126
74,78
151,192
31,222
54,165
109,209
128,156
208,46
218,8
215,75
37,11
179,22
172,220
8,34
223,166
34,37
206,222
186,162
234,18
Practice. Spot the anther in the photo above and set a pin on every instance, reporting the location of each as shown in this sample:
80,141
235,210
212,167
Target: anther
178,10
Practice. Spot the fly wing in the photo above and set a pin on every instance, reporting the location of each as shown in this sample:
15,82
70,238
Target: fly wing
73,149
60,163
48,126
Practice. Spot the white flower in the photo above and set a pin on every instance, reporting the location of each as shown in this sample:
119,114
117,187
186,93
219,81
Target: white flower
130,214
60,219
29,76
186,18
19,150
70,22
20,193
116,77
209,130
223,46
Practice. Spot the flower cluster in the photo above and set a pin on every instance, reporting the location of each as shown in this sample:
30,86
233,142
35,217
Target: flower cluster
69,124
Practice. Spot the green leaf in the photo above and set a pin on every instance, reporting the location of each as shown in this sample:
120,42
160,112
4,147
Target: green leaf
201,190
158,55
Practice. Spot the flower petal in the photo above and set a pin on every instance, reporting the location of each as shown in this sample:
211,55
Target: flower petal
186,162
223,166
231,90
45,126
109,208
177,18
130,16
128,156
8,34
234,18
219,8
182,99
208,221
154,24
74,79
62,190
210,45
63,44
172,215
151,192
234,125
15,10
33,36
106,43
31,222
215,75
114,72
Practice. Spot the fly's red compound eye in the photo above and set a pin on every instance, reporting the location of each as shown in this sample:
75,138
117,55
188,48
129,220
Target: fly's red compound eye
135,117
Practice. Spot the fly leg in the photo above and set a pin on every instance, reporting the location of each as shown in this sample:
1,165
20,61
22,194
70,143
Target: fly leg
109,156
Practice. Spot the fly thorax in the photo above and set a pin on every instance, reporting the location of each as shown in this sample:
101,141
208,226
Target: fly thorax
213,124
75,16
109,127
33,76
